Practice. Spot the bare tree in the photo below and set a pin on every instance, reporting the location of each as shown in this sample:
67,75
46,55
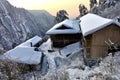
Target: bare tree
10,70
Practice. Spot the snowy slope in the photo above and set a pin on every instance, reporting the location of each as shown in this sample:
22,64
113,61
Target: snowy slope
108,69
48,21
72,67
62,51
59,57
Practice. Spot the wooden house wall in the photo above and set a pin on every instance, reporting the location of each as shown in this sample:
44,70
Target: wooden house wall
98,47
61,40
87,41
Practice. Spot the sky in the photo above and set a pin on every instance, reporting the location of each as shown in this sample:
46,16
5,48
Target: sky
52,6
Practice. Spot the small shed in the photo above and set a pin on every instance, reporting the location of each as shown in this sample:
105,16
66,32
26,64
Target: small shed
65,33
96,31
25,53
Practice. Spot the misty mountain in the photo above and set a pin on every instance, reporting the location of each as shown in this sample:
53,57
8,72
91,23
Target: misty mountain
39,15
18,24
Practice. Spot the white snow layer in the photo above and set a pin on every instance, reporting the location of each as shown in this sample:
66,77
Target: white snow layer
24,53
71,49
33,40
72,27
108,69
58,52
91,23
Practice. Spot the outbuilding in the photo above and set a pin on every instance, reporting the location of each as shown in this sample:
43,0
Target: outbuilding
98,33
65,33
25,53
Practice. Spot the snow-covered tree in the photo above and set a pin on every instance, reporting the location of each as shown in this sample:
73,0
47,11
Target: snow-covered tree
105,8
107,3
94,7
61,16
102,1
83,10
93,3
95,10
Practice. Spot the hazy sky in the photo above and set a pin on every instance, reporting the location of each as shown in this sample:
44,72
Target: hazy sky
52,6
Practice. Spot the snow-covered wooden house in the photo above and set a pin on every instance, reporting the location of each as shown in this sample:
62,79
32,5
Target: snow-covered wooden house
96,32
65,33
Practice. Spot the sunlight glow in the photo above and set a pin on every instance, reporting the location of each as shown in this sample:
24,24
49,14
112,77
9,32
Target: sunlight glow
52,6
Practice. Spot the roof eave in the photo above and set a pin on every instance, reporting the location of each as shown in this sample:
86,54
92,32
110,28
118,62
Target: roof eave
105,25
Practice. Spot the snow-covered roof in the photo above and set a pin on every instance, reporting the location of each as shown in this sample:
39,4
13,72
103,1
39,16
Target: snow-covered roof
91,23
25,55
33,40
71,26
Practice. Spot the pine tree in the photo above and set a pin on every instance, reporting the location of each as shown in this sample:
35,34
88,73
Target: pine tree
83,10
61,16
93,3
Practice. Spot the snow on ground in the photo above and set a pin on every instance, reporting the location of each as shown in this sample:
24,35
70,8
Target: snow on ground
62,52
57,59
62,67
108,69
57,53
46,46
50,56
71,49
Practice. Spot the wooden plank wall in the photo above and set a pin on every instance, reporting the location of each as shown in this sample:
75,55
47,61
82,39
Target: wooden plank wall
99,48
62,40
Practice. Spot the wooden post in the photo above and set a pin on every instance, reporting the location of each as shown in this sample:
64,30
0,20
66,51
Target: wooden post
31,44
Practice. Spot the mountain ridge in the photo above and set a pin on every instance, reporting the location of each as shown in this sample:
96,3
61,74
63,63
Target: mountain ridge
18,24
